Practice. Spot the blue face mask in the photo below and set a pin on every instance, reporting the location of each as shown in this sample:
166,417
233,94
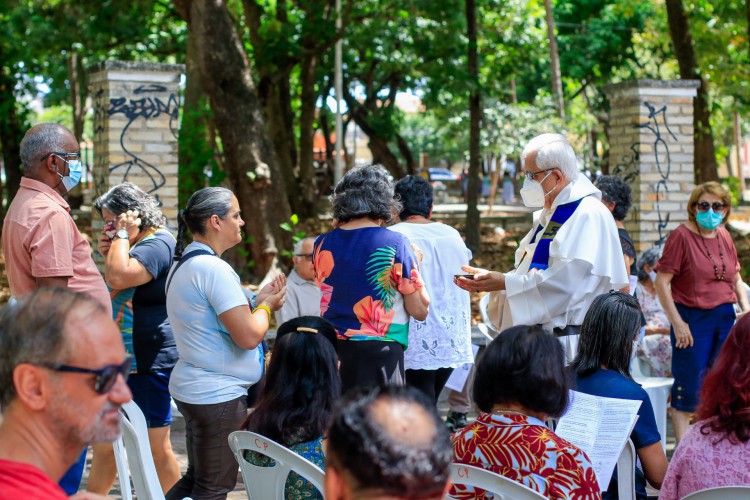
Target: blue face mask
74,175
709,219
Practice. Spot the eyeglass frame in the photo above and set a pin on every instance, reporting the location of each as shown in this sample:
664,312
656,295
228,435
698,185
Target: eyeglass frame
530,175
306,256
703,206
100,386
64,156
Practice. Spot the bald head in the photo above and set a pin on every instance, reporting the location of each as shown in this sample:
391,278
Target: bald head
390,441
41,140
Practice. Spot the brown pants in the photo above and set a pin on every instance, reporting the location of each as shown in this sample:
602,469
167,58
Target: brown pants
212,468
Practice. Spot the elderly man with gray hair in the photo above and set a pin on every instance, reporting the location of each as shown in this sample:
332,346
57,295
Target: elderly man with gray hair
571,255
302,294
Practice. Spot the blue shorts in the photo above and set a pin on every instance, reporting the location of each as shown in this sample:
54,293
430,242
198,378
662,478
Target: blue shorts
709,328
151,394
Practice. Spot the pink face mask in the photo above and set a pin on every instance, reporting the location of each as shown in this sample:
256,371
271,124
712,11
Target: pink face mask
110,231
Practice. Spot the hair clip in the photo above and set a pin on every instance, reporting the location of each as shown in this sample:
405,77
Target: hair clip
306,329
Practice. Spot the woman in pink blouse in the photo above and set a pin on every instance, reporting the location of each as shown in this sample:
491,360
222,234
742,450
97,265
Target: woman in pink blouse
716,450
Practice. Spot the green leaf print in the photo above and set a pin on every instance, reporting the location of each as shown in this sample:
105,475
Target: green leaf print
379,275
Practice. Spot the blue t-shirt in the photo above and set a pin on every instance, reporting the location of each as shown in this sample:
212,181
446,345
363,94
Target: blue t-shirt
141,311
612,384
363,275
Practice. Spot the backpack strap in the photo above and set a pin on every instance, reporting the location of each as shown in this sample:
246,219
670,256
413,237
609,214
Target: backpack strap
183,259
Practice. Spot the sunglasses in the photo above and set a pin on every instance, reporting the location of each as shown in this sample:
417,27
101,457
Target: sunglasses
306,256
105,376
703,206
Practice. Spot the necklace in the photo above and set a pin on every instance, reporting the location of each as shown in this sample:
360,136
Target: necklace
721,256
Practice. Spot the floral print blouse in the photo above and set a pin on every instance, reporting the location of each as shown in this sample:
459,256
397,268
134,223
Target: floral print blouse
522,448
363,275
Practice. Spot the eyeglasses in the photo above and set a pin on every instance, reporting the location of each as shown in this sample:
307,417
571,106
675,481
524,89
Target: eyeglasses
64,156
530,175
105,376
703,206
307,256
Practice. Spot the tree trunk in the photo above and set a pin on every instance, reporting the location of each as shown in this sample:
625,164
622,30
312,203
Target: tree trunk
405,150
381,152
77,81
554,60
276,96
12,130
252,169
679,31
308,98
472,211
193,137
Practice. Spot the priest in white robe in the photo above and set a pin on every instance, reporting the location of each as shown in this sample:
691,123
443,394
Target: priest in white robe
571,254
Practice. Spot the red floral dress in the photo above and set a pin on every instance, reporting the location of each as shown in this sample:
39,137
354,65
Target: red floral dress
522,448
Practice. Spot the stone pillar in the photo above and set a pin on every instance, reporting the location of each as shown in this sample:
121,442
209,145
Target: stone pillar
136,112
651,147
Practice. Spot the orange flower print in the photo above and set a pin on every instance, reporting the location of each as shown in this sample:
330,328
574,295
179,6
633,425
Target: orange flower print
374,318
322,263
325,297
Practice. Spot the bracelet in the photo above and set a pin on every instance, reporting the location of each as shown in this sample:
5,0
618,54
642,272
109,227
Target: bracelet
264,308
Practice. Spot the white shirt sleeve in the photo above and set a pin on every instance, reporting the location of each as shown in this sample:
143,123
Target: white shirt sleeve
539,297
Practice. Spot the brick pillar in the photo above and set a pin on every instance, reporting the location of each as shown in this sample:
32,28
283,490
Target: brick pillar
651,147
136,111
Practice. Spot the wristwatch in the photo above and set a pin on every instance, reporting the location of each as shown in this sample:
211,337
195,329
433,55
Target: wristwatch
122,233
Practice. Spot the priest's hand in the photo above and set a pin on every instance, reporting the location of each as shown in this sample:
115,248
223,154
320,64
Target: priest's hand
483,280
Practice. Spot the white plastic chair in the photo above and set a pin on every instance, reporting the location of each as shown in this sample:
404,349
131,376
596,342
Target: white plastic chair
267,483
626,472
658,389
501,486
721,493
133,456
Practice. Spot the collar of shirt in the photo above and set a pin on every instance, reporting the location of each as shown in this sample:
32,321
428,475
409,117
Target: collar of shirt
295,278
53,195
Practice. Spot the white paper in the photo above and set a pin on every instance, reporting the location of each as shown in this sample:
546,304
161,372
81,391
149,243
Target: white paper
460,375
600,427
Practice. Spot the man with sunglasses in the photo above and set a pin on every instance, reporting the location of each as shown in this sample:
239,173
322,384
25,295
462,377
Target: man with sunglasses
62,382
40,240
571,255
302,294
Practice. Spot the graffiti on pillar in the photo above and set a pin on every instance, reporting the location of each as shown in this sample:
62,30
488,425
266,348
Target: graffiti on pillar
657,120
147,108
627,168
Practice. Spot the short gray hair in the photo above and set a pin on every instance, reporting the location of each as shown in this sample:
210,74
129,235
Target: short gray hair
649,256
40,140
365,191
552,151
127,196
33,331
298,245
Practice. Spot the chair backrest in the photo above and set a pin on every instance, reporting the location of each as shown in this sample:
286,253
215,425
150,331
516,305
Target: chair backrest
626,472
501,486
266,483
721,493
139,458
123,474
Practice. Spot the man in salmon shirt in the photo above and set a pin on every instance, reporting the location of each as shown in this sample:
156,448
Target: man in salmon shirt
62,382
41,243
